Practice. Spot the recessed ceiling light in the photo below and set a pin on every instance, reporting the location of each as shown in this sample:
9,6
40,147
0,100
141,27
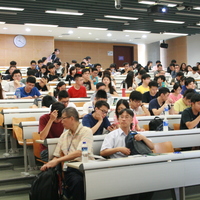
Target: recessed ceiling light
28,29
130,40
109,34
10,8
70,32
93,28
181,34
2,22
90,33
136,31
43,25
144,36
5,28
79,37
114,39
169,21
120,17
96,38
50,30
63,12
196,8
60,36
147,2
127,35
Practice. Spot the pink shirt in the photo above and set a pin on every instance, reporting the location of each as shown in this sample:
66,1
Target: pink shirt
175,98
135,121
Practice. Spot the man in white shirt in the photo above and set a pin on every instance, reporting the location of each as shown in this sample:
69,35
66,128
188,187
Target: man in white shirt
63,97
13,85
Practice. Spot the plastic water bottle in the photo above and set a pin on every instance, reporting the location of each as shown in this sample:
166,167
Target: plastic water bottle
165,125
166,109
18,93
123,89
84,152
39,103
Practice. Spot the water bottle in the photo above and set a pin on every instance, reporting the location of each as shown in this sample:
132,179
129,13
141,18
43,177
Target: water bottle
39,103
90,109
165,125
166,109
18,93
84,153
123,89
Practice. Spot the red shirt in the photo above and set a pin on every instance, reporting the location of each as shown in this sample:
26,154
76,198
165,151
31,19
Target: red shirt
74,93
55,131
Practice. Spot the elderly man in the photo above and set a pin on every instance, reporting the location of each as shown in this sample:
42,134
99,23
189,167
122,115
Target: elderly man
70,144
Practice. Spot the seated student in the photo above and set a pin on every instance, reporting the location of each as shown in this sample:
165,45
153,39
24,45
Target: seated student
77,90
43,84
98,67
70,144
152,93
29,91
10,71
114,144
87,82
145,84
59,87
157,106
46,102
99,86
190,117
175,93
159,68
33,67
194,73
98,120
139,76
63,97
70,76
126,68
78,69
30,73
50,126
184,102
52,73
12,64
88,107
178,78
109,88
130,83
122,104
135,101
161,80
11,86
94,76
189,84
42,72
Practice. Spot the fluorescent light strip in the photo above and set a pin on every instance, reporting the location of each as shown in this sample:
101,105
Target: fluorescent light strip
168,21
181,34
171,5
198,24
135,9
188,14
172,1
43,25
120,17
93,28
63,13
135,31
111,20
2,22
147,2
196,8
193,27
10,8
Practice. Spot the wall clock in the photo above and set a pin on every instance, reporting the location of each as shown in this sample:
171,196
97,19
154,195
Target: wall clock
19,41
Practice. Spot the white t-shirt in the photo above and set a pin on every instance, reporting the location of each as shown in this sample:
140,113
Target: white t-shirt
10,87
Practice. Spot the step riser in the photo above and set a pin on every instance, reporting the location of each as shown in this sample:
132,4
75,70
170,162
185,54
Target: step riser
16,161
24,190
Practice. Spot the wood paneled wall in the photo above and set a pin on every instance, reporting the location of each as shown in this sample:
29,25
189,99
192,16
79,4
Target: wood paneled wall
35,48
97,51
177,50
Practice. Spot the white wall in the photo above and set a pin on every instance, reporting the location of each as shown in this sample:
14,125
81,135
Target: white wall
193,49
142,54
153,52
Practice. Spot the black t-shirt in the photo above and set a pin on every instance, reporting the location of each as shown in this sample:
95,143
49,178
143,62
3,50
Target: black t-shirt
146,97
188,116
41,88
69,77
87,85
52,77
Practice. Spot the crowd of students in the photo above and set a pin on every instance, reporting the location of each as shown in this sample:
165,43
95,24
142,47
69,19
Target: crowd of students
148,97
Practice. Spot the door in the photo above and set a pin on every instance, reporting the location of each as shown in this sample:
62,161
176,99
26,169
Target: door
122,54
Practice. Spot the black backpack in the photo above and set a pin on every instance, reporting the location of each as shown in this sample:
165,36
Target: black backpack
136,147
45,186
156,124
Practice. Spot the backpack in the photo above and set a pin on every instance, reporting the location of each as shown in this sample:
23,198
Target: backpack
136,147
45,186
155,124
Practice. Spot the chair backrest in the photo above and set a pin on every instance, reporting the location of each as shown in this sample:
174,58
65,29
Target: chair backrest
176,126
36,146
17,131
163,147
146,127
79,104
1,116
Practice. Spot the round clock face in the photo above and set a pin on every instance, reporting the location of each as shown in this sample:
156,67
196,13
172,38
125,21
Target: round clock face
20,41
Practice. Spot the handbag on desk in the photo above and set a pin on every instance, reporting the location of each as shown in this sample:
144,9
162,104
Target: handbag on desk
136,147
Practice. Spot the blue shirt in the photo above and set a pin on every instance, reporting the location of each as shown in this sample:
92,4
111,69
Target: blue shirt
89,121
34,92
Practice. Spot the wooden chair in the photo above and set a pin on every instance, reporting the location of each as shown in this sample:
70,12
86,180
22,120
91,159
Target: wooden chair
146,127
79,104
176,126
17,131
37,147
163,147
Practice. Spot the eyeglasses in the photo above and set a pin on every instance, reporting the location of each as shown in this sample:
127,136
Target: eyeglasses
124,117
64,102
62,118
104,112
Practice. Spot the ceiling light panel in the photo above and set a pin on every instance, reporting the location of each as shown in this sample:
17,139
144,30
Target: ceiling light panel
168,21
179,34
2,22
10,8
42,25
136,31
93,28
196,8
147,2
63,12
111,20
187,14
121,17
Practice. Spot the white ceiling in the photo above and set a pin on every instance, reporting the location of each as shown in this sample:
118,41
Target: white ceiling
60,33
